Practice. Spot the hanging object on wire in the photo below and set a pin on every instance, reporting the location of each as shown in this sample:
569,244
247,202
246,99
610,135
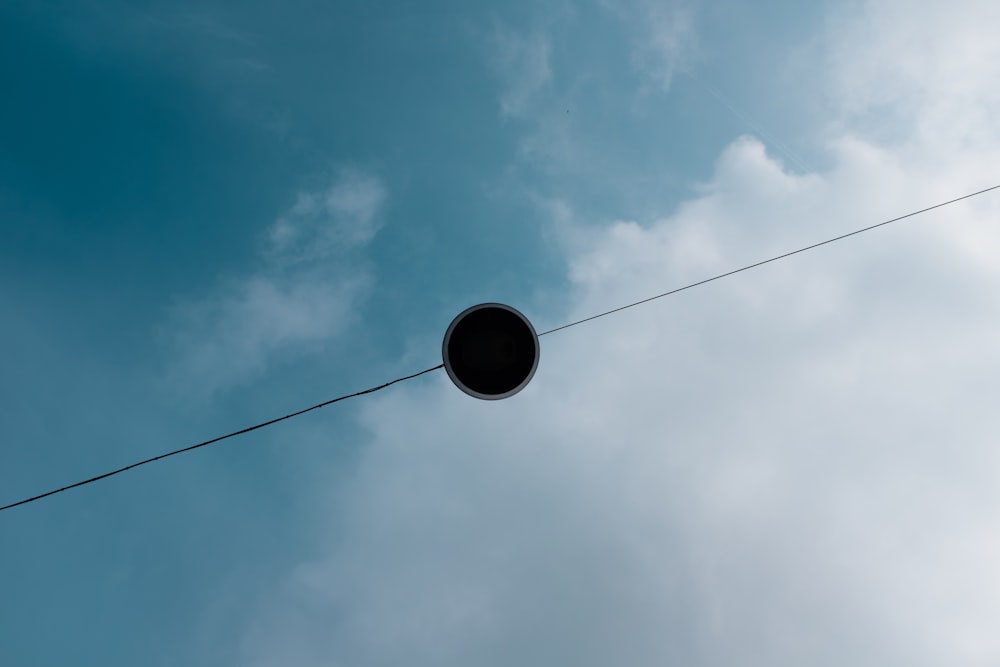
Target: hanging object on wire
490,351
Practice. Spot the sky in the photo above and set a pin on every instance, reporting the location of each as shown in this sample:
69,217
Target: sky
212,214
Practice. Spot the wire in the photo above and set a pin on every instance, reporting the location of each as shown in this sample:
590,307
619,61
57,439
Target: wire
773,259
214,440
565,326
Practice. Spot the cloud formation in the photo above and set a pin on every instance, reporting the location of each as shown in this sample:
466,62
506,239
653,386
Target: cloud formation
328,222
521,62
792,466
666,37
308,281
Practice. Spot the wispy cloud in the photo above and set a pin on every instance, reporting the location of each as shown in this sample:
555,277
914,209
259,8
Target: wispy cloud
666,39
328,222
521,60
308,282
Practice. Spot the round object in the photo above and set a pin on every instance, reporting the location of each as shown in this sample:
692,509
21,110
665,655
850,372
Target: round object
490,351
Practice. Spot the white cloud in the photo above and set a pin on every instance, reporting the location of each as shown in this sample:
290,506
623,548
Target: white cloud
792,466
308,283
932,71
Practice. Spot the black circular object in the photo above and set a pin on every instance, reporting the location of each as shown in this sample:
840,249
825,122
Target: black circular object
490,351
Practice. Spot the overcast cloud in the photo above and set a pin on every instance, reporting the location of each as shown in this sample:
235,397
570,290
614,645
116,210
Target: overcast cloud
793,466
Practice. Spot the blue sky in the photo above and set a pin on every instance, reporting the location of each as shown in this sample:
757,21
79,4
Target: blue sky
211,215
